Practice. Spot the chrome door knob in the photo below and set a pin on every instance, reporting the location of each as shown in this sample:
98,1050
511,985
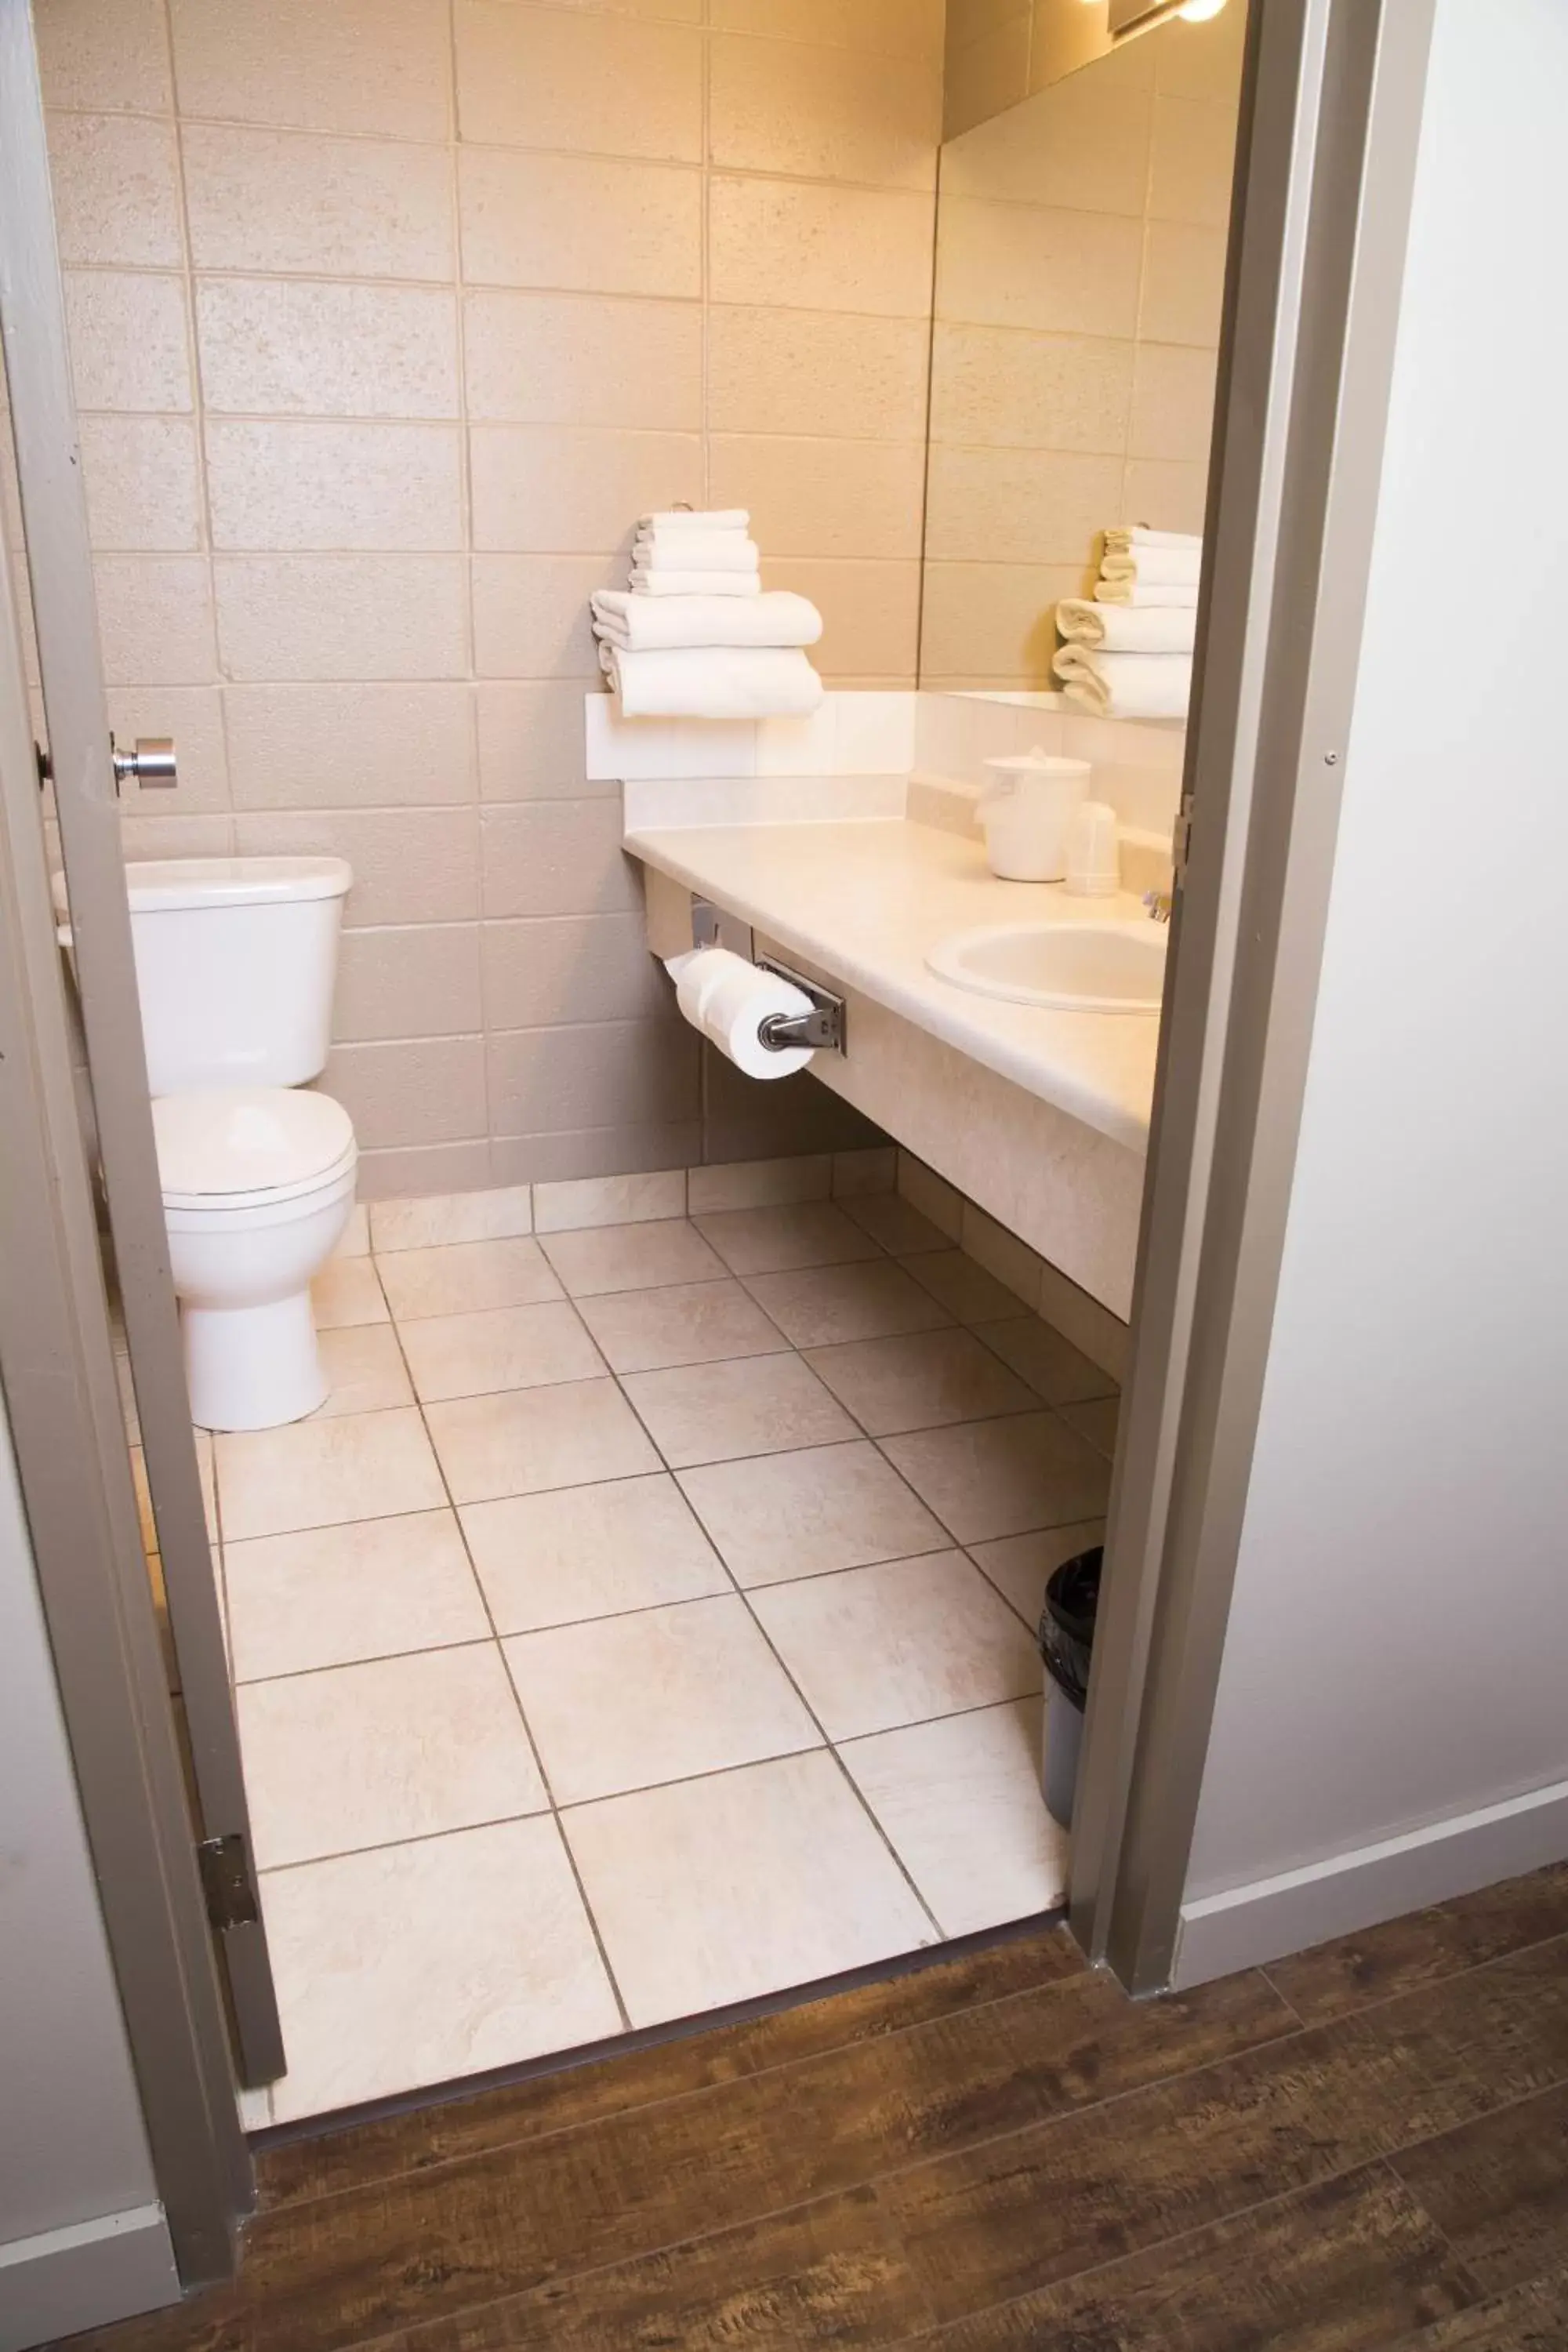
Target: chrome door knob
149,762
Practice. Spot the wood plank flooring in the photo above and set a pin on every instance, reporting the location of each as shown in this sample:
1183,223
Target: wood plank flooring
1363,2147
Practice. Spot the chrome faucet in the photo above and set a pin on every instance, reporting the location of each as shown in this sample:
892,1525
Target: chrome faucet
1158,903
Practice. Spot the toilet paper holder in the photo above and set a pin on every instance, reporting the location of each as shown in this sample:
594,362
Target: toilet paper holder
822,1028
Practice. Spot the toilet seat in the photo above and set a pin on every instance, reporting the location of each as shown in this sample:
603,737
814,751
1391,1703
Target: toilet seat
250,1148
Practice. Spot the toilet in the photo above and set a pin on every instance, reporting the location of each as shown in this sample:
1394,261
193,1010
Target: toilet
236,959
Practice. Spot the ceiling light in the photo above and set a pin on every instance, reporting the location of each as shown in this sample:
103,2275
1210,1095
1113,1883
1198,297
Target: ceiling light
1198,12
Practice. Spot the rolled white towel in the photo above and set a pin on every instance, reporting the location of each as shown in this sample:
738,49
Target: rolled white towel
652,624
1169,594
1122,539
1127,628
1126,686
697,551
1154,567
695,519
721,682
695,584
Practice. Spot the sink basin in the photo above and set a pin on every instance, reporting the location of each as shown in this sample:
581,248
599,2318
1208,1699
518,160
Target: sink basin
1071,967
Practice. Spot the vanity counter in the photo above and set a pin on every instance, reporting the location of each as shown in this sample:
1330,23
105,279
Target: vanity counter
862,902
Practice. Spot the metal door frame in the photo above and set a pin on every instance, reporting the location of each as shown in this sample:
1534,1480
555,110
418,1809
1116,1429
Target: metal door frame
54,507
1329,128
68,1430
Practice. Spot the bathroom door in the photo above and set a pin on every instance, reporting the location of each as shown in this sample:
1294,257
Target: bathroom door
86,775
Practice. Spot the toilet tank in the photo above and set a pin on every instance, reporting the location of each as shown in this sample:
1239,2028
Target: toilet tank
236,958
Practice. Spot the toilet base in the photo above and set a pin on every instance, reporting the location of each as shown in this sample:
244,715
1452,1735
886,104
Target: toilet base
252,1367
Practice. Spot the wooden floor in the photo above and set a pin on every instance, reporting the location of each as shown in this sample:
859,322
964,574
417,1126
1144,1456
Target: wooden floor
1363,2147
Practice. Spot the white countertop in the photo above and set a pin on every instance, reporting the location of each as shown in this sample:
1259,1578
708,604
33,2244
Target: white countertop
862,902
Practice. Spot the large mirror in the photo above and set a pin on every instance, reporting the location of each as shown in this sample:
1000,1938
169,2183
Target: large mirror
1080,255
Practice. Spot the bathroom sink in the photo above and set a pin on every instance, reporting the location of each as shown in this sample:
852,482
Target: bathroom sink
1072,966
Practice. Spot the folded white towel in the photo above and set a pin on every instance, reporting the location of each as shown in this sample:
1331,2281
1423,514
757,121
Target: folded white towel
651,624
695,519
1122,539
1167,592
695,584
696,550
726,682
1126,628
1155,567
1126,686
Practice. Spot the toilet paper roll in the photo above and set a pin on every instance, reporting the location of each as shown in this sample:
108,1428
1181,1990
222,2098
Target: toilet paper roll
729,999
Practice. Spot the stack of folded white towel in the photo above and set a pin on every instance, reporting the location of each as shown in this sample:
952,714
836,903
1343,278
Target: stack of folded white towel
694,637
1129,654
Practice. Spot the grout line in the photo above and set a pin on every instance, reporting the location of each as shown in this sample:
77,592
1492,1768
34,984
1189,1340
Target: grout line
470,540
196,414
416,1837
527,1727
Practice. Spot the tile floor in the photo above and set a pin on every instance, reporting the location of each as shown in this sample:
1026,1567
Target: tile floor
643,1625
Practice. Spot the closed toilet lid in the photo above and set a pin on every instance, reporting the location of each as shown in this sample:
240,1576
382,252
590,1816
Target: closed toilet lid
274,1140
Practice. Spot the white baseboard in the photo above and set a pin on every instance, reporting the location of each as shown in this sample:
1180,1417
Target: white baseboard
87,2276
1248,1926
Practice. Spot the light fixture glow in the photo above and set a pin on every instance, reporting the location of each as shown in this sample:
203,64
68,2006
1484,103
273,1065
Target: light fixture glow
1198,12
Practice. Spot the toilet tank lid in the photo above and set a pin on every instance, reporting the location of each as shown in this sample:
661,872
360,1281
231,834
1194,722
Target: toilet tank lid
164,885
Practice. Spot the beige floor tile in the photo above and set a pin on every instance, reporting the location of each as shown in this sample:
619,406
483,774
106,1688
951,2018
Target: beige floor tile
466,1277
355,1242
959,1802
1052,1365
255,2108
896,1223
364,1365
775,1240
822,1305
345,1292
445,1219
368,1755
717,1413
626,1702
1096,1418
791,1515
316,1474
532,1439
500,1347
898,1643
589,1551
1018,1566
726,1888
332,1596
963,1288
493,1962
988,1479
631,1257
694,1323
919,1381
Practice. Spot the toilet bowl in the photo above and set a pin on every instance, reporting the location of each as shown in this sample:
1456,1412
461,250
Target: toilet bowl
258,1184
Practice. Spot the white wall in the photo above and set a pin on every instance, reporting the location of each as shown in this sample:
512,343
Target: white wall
81,2236
1395,1671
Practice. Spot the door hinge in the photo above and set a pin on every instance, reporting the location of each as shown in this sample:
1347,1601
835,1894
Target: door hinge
227,1882
1182,840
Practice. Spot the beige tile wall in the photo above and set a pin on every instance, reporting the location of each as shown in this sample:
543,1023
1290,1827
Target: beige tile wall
1080,250
388,317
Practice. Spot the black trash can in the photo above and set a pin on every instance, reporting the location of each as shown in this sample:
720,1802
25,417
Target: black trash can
1066,1638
